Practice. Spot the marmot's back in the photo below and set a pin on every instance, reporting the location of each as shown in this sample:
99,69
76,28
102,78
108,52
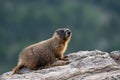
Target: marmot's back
34,56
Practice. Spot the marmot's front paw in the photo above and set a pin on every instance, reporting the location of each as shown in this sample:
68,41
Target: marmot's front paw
64,59
65,56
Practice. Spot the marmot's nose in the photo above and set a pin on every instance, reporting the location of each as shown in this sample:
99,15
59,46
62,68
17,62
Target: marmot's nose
68,32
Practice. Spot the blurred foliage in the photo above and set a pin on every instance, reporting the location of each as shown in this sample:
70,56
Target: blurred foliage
95,24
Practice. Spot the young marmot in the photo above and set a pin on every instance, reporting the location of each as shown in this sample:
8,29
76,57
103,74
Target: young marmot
45,53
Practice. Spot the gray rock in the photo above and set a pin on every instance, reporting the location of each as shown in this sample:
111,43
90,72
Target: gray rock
85,65
116,56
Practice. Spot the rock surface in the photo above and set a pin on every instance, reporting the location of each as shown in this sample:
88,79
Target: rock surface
116,56
85,65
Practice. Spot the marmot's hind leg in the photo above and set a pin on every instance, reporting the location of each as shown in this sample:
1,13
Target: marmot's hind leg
17,69
57,63
32,67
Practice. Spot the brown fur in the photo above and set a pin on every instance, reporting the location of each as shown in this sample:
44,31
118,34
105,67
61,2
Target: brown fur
44,53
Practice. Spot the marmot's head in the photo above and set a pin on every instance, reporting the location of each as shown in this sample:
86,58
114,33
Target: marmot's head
63,34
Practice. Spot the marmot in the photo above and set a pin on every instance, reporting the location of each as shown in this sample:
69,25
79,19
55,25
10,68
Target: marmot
46,52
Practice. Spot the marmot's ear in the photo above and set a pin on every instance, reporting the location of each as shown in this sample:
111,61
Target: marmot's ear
57,31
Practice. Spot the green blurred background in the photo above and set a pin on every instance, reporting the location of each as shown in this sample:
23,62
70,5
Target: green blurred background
95,24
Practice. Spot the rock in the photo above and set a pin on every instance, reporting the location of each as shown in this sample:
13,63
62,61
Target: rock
116,56
85,65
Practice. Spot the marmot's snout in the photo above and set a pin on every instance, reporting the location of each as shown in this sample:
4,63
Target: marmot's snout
64,33
68,33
